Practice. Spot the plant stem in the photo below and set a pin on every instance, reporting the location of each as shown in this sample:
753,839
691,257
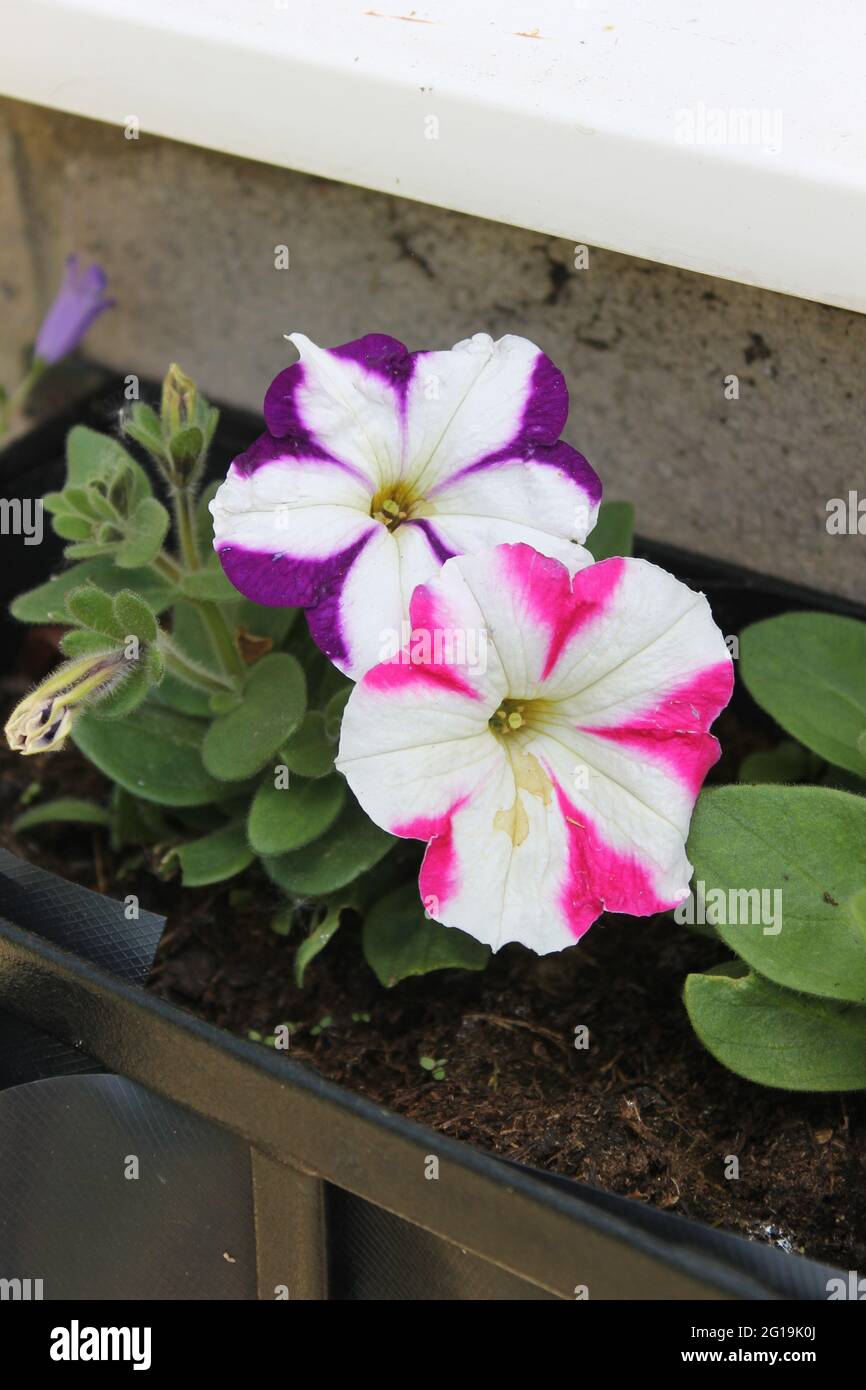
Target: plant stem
167,568
185,522
190,672
212,615
223,641
18,397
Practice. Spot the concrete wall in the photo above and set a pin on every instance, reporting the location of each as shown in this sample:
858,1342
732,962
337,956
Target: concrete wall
188,238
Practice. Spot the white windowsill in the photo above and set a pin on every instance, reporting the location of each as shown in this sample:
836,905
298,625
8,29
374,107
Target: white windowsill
564,116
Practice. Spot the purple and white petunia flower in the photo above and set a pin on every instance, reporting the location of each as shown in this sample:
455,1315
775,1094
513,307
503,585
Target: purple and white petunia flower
552,769
80,299
380,464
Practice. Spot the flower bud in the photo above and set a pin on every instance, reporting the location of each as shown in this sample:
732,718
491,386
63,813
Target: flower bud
43,719
178,401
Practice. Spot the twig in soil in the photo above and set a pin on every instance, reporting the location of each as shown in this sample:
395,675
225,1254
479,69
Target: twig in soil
512,1023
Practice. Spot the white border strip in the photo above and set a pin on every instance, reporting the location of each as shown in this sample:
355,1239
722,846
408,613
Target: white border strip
724,139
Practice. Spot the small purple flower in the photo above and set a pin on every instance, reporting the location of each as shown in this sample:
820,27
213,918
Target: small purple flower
80,300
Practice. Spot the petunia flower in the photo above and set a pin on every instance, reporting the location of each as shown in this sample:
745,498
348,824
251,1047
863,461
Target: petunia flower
380,464
554,778
80,299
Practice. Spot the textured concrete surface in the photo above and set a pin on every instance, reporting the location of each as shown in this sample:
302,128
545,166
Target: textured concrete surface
18,297
189,240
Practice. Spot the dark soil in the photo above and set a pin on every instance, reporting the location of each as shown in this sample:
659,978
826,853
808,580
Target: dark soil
644,1111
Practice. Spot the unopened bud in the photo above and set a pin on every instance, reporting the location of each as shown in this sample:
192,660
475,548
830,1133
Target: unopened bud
43,719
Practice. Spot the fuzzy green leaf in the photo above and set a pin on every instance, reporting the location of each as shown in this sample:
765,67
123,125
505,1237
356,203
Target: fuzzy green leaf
135,617
72,528
310,752
155,754
808,670
79,500
806,844
283,819
238,744
148,526
275,623
352,845
214,857
775,1036
81,642
127,697
91,455
143,425
210,584
93,608
47,603
399,940
69,809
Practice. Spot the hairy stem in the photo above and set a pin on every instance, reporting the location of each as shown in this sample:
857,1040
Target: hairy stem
184,520
188,671
222,639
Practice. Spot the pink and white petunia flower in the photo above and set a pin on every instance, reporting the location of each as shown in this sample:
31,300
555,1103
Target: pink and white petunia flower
547,734
380,464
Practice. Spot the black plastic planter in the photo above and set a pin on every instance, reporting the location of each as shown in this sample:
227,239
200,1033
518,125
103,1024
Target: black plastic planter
255,1178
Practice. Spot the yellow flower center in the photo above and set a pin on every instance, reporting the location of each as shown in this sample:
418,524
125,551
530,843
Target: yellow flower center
511,715
395,504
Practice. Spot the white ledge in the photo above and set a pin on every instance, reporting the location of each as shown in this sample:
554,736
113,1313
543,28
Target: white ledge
618,125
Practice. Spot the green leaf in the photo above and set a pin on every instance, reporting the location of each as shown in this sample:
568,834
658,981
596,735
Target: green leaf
210,584
214,857
143,425
66,808
80,642
614,531
275,623
155,754
72,528
808,670
87,550
778,1037
99,504
787,762
186,699
239,743
148,526
91,455
78,499
134,617
283,819
857,907
309,752
352,845
127,697
806,844
54,502
186,446
333,712
190,634
154,663
399,940
93,608
47,603
135,822
315,942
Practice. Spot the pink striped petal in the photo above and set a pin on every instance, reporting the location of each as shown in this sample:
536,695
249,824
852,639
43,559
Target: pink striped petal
615,672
